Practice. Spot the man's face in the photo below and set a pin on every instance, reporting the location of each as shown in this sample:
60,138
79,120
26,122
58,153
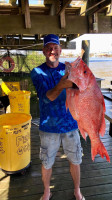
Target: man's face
52,52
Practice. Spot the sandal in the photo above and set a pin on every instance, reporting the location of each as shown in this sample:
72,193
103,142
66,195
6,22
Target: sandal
51,197
83,198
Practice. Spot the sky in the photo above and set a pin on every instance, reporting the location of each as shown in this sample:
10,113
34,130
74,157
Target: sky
30,1
98,42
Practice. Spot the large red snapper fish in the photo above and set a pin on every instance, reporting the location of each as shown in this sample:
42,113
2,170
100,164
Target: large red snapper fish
86,105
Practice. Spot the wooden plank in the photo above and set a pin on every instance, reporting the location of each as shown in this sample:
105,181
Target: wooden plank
95,6
65,4
96,177
50,24
27,15
104,25
62,19
110,129
83,8
109,10
42,25
108,96
108,113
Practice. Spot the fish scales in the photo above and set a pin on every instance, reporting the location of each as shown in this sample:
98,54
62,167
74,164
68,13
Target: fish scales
87,105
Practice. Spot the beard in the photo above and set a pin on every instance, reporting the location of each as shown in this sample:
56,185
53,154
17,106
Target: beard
53,58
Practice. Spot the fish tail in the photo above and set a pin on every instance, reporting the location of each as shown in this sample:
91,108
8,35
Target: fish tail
99,148
83,133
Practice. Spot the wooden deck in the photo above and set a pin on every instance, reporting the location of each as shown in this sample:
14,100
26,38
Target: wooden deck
108,103
96,177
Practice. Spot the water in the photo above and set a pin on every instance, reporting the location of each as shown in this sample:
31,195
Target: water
101,68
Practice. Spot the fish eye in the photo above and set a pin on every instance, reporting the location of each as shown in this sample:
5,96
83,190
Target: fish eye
85,72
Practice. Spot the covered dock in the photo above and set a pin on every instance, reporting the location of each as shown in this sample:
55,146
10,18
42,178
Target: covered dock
22,27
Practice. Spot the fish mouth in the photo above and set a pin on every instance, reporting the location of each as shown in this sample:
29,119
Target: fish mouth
74,86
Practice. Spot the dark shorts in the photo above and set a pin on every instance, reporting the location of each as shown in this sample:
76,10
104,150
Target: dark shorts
50,144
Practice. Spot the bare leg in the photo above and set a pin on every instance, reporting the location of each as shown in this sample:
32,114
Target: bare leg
75,172
46,176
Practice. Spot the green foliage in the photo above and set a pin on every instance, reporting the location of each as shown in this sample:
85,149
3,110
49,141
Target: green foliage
19,61
25,62
34,59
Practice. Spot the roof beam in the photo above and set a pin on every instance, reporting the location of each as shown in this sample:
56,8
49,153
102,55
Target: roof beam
62,19
83,8
24,9
15,25
65,4
27,15
95,7
61,12
109,10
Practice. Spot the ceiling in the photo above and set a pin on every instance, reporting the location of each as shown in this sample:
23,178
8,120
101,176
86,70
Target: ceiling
23,24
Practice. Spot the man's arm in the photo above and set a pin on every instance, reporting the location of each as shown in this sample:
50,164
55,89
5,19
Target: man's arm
55,92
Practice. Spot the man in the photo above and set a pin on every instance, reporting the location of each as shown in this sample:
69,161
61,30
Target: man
56,123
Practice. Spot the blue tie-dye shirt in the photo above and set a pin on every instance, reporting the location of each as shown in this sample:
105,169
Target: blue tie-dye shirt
53,115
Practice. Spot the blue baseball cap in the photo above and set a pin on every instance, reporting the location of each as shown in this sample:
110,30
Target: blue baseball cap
51,38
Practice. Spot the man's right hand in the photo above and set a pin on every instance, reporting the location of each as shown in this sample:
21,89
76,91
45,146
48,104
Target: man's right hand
64,82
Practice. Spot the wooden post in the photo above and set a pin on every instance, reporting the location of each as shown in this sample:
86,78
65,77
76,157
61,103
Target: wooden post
53,8
110,129
8,53
27,15
24,9
62,19
85,51
95,23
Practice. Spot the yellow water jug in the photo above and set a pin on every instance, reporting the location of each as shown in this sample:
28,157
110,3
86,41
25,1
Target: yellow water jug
20,101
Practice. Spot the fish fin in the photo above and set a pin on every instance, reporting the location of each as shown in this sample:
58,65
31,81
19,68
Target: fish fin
98,148
103,127
73,64
83,133
104,108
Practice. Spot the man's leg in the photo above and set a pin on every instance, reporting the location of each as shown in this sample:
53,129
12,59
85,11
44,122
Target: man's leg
46,176
75,172
50,144
73,150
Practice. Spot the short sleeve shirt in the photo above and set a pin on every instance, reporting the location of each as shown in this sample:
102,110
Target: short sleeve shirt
54,117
